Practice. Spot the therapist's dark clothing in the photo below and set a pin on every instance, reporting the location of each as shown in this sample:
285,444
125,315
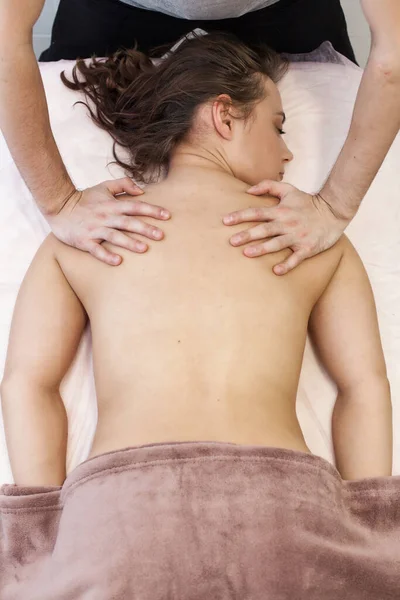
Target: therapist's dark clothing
86,27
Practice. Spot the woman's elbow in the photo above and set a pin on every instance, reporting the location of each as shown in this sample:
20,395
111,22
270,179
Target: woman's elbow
17,384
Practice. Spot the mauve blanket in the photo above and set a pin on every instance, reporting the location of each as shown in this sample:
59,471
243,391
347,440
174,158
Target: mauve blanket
202,521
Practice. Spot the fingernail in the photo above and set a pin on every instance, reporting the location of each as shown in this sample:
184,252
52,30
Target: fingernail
165,214
141,247
157,234
235,239
279,270
116,260
251,251
254,188
228,219
137,187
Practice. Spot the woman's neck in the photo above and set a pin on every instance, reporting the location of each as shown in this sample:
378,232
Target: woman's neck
188,156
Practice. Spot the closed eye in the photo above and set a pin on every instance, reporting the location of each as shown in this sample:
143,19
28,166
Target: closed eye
281,131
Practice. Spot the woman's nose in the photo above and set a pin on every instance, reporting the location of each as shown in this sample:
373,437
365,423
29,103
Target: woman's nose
288,155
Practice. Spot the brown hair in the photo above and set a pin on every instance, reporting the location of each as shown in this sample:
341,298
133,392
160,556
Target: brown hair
149,108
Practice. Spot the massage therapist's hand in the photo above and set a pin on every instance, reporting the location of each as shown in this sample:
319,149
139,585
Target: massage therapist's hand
95,215
303,222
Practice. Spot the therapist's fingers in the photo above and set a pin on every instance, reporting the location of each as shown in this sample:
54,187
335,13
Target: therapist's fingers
275,245
273,188
259,213
118,238
292,262
101,253
136,207
258,232
133,225
125,184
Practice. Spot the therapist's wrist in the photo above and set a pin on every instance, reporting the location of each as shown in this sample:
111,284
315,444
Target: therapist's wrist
50,205
342,206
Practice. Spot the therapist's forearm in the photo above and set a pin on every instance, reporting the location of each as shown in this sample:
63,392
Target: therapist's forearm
375,124
24,121
36,426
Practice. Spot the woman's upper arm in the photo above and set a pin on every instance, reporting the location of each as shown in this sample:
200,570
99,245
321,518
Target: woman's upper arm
344,325
47,323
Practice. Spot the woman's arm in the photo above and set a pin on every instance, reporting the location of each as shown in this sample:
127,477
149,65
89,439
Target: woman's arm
344,327
46,329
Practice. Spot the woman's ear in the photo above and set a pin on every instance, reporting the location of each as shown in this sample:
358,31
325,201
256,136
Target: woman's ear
222,116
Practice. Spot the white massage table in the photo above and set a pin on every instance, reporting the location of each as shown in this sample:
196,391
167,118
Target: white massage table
318,99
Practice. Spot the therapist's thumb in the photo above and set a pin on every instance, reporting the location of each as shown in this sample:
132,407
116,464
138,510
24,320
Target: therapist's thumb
125,184
268,186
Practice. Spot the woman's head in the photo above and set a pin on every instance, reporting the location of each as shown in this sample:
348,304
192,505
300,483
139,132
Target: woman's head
212,90
252,147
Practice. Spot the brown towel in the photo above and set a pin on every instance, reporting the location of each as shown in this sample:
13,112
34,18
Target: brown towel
202,521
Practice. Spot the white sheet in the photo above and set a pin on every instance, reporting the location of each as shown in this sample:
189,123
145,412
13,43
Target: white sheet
318,100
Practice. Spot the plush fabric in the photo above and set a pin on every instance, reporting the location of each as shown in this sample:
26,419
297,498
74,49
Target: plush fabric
202,520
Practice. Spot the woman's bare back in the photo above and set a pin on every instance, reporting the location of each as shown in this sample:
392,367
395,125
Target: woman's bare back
193,340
